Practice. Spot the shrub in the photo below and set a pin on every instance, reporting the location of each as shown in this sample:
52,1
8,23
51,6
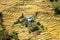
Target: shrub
15,35
3,35
56,0
12,36
57,11
33,28
1,20
38,23
23,21
51,0
42,27
1,16
3,26
36,13
22,16
32,21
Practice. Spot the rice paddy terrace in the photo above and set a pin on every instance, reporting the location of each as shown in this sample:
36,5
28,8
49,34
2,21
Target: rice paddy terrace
13,9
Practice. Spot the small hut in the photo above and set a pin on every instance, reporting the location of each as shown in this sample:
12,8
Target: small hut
30,19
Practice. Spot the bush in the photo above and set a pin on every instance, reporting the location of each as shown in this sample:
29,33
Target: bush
33,28
12,36
1,16
36,13
22,16
56,0
57,11
38,23
3,34
42,27
15,33
51,0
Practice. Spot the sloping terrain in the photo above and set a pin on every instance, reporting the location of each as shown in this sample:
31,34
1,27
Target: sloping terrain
12,11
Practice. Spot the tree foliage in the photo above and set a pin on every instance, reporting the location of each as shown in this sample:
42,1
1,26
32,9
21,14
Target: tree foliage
35,27
56,0
51,0
1,16
3,34
57,11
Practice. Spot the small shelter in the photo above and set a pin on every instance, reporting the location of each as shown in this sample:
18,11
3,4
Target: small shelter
30,19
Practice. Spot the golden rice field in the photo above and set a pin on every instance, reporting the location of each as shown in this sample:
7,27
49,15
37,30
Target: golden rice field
12,10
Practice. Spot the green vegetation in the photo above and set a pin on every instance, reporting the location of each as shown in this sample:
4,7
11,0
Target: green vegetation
22,16
35,27
56,6
15,33
51,0
24,20
31,25
1,21
21,20
38,23
1,16
3,34
36,14
13,36
57,11
56,0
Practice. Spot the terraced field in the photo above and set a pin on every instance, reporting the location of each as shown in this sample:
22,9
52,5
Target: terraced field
12,11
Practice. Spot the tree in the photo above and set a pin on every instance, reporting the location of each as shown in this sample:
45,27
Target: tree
36,13
22,16
51,0
19,20
14,36
1,16
1,21
3,34
57,11
38,23
56,0
33,28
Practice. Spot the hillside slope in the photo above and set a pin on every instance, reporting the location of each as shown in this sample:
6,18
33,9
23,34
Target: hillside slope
46,17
